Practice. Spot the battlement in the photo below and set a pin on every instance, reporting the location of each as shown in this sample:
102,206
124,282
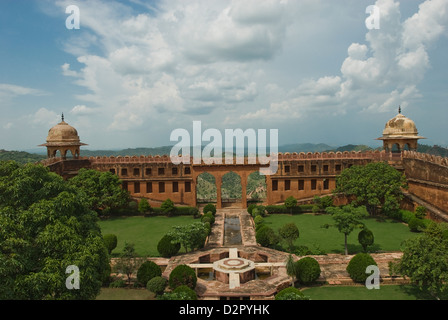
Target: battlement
441,161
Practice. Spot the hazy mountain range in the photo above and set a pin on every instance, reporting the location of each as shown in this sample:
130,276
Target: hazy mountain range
37,155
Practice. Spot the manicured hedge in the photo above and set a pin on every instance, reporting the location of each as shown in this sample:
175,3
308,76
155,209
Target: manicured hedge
178,211
281,208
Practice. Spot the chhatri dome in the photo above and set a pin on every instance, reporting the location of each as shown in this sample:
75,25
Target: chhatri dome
63,137
400,132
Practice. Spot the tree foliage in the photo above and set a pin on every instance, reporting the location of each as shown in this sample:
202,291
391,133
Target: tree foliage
144,206
46,226
377,186
289,232
346,219
103,189
425,260
191,236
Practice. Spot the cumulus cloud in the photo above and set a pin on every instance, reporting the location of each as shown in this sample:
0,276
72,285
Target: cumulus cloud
194,59
44,117
378,75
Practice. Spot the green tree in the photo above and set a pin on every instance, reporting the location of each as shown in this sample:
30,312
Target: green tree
289,232
144,206
128,262
322,203
346,219
103,189
377,186
190,236
168,206
425,260
291,203
46,226
209,208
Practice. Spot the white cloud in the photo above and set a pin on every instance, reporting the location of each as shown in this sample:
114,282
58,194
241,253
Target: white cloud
9,91
45,118
82,110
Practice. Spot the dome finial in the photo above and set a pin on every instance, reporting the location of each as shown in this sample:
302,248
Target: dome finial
62,116
399,109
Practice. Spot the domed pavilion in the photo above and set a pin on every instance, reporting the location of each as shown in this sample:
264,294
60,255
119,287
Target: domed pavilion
400,133
63,138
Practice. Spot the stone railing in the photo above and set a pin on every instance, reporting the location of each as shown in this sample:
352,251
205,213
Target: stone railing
426,157
375,155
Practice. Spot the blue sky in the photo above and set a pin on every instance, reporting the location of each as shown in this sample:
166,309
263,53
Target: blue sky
136,70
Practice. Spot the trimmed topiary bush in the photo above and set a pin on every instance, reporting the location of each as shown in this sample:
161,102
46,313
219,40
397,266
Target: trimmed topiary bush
147,271
209,208
166,248
157,285
183,275
365,238
110,240
290,294
266,237
357,266
251,207
307,270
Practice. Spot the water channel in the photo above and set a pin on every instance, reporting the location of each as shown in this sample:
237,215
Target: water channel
232,231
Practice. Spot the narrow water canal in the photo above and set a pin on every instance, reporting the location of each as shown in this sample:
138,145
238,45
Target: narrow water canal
232,231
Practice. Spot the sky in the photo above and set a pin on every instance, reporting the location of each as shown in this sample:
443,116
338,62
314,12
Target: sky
136,70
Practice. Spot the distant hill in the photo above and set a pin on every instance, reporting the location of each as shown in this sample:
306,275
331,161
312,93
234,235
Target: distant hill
26,157
304,147
434,150
21,157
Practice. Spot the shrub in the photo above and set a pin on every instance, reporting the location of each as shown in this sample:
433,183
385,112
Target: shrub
157,285
261,210
208,217
416,225
166,248
357,266
144,206
290,293
420,212
110,240
289,232
168,207
307,270
147,271
187,291
266,237
117,284
365,238
258,220
250,208
406,215
183,275
194,212
209,208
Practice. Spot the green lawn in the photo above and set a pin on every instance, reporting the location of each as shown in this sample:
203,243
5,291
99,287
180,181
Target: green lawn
385,292
145,233
389,234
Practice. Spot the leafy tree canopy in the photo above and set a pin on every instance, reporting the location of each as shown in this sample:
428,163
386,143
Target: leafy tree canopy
46,226
375,185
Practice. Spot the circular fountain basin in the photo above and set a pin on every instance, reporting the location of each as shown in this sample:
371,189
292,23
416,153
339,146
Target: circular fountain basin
243,267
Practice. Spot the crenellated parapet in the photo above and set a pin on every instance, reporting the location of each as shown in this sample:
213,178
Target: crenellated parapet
441,161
